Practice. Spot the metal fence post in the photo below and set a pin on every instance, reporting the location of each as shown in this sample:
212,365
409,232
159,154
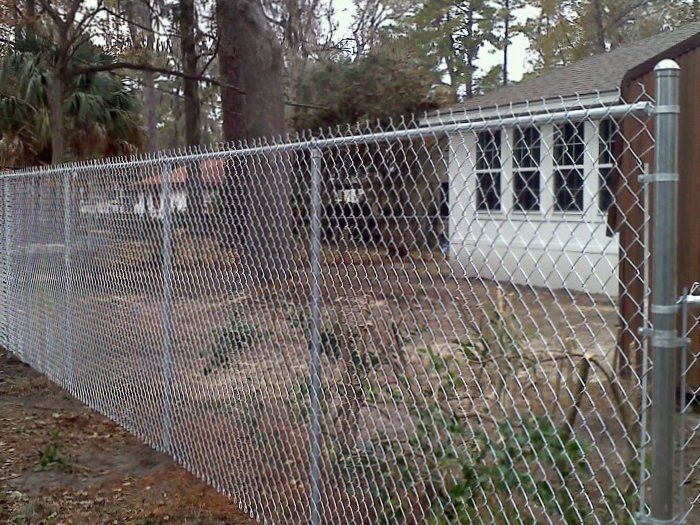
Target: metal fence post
664,309
67,280
316,157
6,264
167,310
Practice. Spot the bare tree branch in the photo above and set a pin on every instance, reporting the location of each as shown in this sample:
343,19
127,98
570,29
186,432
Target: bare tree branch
214,54
46,6
126,19
146,67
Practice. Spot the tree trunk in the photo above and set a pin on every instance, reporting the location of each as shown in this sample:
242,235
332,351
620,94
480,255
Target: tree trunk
470,56
258,193
58,139
151,116
506,43
141,13
599,26
190,85
190,88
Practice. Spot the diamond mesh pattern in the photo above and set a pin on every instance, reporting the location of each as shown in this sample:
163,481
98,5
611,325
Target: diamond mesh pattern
479,281
688,420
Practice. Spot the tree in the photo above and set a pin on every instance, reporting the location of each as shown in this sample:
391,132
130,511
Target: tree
373,20
553,33
505,10
69,24
99,111
186,16
451,35
305,30
250,66
252,93
140,17
391,81
569,30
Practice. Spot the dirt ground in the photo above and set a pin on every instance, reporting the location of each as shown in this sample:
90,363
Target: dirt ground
61,463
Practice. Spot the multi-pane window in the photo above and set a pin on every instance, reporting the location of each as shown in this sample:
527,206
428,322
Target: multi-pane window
488,171
608,132
569,148
526,173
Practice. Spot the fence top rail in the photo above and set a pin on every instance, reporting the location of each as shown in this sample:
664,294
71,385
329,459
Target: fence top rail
643,108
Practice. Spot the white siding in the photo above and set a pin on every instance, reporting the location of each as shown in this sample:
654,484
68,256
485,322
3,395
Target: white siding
545,248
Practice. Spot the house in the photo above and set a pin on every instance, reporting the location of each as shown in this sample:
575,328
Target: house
148,192
559,205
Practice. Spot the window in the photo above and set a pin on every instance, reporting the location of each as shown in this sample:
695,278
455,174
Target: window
488,171
526,173
569,148
444,199
608,132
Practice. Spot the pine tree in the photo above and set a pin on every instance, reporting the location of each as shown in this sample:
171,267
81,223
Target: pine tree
452,35
505,19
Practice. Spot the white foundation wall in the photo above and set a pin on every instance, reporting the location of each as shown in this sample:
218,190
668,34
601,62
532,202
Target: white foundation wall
551,255
545,248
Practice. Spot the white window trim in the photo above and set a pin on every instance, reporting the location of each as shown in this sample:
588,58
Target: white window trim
507,171
591,141
464,176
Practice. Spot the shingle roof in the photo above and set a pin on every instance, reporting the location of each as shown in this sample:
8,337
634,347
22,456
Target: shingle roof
596,74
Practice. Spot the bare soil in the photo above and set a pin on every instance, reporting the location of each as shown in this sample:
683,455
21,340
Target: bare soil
61,463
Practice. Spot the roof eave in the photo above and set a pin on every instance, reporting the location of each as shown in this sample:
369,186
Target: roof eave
528,107
648,65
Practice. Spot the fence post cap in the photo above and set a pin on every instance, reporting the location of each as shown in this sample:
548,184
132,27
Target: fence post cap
667,64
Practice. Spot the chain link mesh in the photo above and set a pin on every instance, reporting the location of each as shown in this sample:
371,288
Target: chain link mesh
433,322
689,400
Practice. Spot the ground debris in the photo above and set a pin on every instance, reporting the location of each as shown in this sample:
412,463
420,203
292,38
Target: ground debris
110,477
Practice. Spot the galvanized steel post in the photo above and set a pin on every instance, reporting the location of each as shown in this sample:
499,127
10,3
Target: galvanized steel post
6,265
68,334
315,437
664,309
167,310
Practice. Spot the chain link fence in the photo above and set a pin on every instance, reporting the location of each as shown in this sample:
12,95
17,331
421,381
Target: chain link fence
435,322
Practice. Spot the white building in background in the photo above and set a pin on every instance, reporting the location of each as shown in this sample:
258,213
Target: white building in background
144,196
529,204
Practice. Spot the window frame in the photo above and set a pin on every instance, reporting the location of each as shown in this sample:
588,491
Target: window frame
527,167
607,163
567,164
488,167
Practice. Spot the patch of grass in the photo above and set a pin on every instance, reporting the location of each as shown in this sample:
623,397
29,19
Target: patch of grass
229,340
51,458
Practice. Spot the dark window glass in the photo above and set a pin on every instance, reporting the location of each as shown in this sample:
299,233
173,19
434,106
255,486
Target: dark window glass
489,150
569,146
526,148
568,189
488,191
526,175
488,171
605,195
609,131
445,199
527,190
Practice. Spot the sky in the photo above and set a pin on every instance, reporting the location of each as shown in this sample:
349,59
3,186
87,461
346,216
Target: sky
518,51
